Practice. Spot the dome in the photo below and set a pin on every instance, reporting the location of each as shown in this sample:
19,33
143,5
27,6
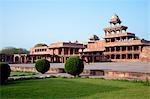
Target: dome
93,37
115,19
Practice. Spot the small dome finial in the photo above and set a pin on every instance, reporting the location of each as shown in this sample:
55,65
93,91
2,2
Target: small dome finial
93,38
115,19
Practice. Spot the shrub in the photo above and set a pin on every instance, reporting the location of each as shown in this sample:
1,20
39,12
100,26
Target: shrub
74,66
4,72
42,65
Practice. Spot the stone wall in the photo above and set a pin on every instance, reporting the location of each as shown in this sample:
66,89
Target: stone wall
127,75
32,69
145,54
105,73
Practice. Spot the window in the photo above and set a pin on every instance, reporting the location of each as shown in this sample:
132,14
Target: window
112,56
124,48
112,49
129,48
117,48
107,49
112,40
123,56
136,56
129,56
136,48
117,56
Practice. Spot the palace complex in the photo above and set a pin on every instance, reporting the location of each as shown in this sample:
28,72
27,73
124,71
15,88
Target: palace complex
118,45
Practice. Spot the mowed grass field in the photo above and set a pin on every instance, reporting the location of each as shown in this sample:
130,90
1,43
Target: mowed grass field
74,88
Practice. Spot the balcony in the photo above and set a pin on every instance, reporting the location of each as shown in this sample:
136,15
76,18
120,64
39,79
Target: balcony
123,52
124,43
119,35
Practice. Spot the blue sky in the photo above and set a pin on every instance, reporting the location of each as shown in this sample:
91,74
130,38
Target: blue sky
23,23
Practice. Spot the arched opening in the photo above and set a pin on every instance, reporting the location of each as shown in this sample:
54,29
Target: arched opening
16,59
22,59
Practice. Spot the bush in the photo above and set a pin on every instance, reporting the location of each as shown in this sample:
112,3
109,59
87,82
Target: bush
4,72
74,66
42,65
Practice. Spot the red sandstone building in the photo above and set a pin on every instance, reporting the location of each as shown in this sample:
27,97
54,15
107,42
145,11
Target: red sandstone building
117,45
56,52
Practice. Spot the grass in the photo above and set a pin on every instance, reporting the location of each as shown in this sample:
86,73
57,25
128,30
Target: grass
20,73
74,88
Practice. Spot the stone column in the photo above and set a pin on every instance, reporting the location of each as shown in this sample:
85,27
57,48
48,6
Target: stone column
53,55
92,58
73,51
69,51
132,56
120,49
25,59
115,53
19,60
132,48
14,59
115,39
121,39
126,57
126,38
62,52
140,48
120,52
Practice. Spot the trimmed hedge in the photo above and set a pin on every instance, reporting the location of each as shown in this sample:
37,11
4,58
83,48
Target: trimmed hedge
4,72
42,65
74,66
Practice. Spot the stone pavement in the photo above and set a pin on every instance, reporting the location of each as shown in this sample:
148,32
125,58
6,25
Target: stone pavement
143,67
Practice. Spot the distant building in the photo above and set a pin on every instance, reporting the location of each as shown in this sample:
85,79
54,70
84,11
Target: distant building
56,52
118,45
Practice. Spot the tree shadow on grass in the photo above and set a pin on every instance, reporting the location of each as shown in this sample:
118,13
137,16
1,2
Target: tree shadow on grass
55,89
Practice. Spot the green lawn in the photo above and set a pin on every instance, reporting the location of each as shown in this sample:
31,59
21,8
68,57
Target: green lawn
79,88
19,73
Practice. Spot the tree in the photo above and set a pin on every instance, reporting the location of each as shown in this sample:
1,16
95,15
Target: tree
4,72
40,44
74,66
13,50
42,65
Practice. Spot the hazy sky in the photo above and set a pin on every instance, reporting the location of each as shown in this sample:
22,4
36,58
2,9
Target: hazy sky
23,23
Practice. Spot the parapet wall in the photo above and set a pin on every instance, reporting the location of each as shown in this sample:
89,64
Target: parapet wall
127,75
106,73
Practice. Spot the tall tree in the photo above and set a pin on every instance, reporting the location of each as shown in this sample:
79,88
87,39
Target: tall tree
13,50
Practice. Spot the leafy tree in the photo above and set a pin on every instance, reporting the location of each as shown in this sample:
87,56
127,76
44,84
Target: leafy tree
74,66
40,44
4,72
42,65
13,50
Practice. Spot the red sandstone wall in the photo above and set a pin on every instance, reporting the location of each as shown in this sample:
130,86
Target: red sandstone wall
98,45
145,54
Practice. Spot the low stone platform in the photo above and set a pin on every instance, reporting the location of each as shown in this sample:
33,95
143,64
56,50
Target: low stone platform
138,70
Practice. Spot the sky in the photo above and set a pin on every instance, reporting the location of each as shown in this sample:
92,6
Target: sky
24,23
